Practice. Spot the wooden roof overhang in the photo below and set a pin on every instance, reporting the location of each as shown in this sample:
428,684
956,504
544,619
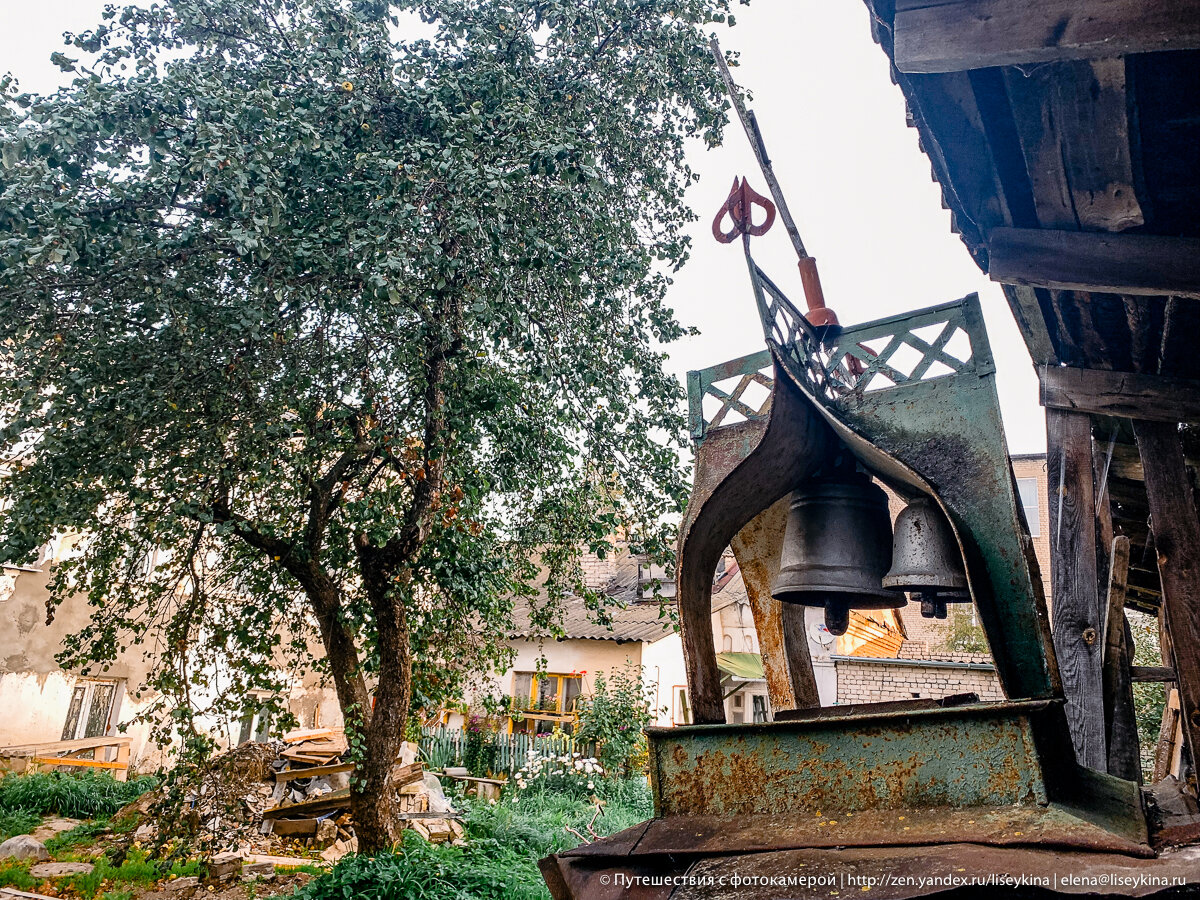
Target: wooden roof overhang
1065,136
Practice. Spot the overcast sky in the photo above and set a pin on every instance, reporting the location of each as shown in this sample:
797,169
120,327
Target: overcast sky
856,183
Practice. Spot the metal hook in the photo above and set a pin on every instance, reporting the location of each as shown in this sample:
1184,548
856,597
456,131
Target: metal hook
738,206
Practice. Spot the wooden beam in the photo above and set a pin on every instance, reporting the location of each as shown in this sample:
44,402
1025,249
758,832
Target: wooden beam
1176,526
1091,261
975,34
1075,614
1129,395
1152,674
1120,719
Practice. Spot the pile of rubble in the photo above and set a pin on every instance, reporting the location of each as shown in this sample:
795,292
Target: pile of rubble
262,800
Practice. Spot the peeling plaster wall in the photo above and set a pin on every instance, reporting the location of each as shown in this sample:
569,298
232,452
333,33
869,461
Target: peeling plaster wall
35,693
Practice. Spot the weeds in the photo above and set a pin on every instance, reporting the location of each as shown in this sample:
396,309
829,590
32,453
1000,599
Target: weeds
81,796
15,873
500,860
80,834
17,821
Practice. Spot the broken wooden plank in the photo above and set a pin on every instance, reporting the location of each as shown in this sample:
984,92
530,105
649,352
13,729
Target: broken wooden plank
1120,717
975,34
47,747
1092,261
313,772
1176,527
1156,398
1164,751
294,826
1075,616
324,803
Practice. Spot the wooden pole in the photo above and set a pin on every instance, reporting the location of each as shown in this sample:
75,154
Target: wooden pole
750,124
1120,719
1176,527
1075,607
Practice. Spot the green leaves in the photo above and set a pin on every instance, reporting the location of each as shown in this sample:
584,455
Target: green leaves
349,330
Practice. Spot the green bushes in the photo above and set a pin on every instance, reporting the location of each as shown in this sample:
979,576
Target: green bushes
76,796
505,841
17,821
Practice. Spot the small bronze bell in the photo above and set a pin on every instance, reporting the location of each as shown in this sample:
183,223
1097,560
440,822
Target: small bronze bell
925,559
836,550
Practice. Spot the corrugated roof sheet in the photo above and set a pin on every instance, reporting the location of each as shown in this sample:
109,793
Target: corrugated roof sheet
632,619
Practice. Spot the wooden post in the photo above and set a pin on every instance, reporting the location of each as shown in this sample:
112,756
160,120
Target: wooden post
1176,526
1120,719
1075,611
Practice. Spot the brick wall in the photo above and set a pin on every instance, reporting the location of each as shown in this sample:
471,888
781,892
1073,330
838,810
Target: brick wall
872,681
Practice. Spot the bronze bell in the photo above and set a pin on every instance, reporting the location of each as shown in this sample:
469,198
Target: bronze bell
836,549
925,559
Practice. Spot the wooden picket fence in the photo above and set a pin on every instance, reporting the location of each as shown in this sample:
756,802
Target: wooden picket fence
441,747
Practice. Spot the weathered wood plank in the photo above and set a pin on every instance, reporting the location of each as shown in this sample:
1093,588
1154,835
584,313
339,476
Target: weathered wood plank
1075,614
974,34
1176,526
1141,264
1077,183
1152,674
1120,719
1158,398
1027,311
1165,751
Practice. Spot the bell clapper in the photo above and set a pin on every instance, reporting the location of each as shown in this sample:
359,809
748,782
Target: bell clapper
837,617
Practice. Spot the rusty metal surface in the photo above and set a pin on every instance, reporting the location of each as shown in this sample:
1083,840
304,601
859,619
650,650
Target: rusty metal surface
972,755
795,442
909,872
1011,825
782,641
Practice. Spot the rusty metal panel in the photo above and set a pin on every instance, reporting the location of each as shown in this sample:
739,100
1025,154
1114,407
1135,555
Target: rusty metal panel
975,755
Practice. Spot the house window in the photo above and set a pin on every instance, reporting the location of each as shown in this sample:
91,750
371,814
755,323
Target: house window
256,726
1027,489
727,643
739,710
760,707
546,692
90,711
681,714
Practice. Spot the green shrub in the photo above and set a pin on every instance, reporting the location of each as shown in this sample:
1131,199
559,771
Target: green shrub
17,821
614,718
83,796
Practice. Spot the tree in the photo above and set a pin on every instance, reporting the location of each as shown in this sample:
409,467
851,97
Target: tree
355,332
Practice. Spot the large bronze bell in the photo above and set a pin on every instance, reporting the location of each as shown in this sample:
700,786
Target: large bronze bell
836,549
925,559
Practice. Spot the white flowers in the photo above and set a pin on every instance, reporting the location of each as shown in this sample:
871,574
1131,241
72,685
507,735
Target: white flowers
563,771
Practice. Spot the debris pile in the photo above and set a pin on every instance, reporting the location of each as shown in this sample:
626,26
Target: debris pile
265,799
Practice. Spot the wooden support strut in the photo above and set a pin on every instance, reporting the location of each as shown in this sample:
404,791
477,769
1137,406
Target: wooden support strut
1176,526
1120,719
1076,618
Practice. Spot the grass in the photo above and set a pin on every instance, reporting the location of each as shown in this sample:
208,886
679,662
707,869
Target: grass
500,860
82,796
15,873
17,821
